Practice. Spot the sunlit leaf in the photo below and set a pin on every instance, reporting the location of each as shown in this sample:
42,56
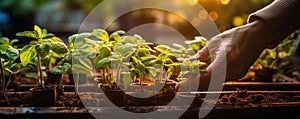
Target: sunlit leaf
38,31
59,48
43,49
152,71
117,35
27,53
86,63
77,68
30,34
101,34
103,63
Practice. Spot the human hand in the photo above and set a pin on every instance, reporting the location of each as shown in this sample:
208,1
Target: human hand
238,48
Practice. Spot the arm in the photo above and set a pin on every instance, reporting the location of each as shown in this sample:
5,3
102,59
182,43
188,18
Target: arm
282,17
266,28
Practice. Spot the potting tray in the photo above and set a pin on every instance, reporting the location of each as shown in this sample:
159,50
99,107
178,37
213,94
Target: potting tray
283,109
267,86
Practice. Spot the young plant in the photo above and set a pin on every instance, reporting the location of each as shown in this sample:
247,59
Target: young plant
120,56
8,54
189,69
63,67
142,60
198,43
80,54
104,52
164,59
39,48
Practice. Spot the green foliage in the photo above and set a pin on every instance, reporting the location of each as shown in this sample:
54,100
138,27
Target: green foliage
278,57
43,44
8,55
198,43
188,68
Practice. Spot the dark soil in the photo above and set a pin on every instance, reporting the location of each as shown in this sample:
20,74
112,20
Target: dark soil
242,97
25,100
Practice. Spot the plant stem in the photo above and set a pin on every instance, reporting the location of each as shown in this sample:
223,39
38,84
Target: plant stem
141,79
104,74
40,72
76,79
76,84
62,75
2,76
161,73
118,76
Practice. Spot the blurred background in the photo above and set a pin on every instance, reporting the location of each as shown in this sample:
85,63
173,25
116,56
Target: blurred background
64,17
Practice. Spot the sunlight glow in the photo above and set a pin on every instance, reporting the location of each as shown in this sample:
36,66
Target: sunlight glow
214,15
202,14
192,2
238,21
225,2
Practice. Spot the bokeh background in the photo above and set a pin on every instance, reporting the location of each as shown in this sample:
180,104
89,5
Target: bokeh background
64,17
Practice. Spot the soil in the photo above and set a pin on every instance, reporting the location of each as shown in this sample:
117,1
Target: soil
242,97
25,100
239,98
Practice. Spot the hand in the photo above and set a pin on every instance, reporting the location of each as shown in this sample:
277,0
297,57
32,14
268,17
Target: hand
242,46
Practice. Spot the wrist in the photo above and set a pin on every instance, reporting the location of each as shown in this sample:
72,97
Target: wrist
264,34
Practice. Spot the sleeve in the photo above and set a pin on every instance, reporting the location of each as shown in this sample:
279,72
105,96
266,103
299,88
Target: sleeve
282,17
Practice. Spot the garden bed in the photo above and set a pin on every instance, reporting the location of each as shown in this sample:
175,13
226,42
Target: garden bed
254,103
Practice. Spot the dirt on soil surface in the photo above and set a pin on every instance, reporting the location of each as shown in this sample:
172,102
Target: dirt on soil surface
242,97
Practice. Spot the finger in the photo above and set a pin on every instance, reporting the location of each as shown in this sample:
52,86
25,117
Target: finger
201,55
217,69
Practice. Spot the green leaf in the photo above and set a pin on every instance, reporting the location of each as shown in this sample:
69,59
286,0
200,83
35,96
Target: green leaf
15,66
126,77
32,75
4,47
160,57
27,54
152,71
78,37
55,39
104,52
142,52
12,42
178,46
162,48
129,39
272,53
141,67
117,35
57,70
101,34
86,63
38,30
45,32
30,34
4,40
48,36
43,49
67,67
59,48
12,53
105,62
77,68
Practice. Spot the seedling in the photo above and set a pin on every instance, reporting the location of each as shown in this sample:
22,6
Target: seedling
8,55
39,48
